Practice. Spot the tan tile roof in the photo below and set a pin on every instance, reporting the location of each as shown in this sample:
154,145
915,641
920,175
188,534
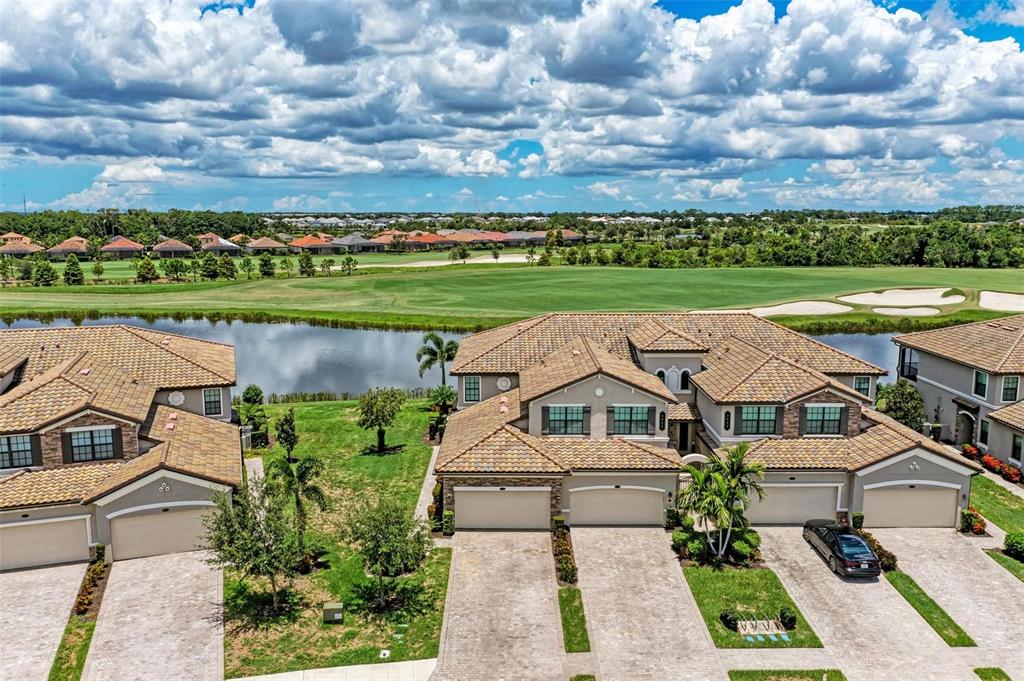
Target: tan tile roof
122,244
163,360
652,335
173,246
613,454
581,358
1012,415
511,348
881,439
188,443
264,242
75,244
995,346
505,450
64,485
738,373
81,382
19,248
683,411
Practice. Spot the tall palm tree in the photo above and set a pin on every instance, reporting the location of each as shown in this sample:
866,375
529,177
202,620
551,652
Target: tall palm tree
436,351
299,482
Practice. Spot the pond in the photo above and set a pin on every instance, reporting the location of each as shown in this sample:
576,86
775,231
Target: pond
295,357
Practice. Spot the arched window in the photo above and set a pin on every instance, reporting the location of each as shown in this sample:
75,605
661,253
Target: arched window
661,376
684,381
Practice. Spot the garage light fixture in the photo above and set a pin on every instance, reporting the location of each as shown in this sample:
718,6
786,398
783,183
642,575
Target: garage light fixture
164,510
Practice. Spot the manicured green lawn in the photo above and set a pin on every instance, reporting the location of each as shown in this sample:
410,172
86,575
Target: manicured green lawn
755,591
299,639
1015,567
583,677
574,622
992,674
478,296
786,675
997,504
74,647
936,617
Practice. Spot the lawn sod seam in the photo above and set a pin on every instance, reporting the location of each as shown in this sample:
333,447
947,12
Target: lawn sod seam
948,630
786,675
1012,565
574,621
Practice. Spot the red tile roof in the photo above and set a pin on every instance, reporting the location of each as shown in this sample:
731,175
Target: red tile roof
123,244
308,241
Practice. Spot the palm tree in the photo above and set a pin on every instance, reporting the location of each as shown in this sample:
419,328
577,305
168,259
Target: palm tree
436,351
300,483
444,396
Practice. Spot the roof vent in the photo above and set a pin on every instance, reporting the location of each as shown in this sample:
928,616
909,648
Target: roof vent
503,409
503,399
165,340
576,353
169,425
86,371
173,417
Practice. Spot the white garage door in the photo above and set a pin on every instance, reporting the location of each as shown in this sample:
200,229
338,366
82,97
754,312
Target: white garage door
503,508
616,506
48,543
906,506
154,534
793,505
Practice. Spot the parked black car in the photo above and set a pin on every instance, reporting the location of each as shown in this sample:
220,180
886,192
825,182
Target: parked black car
847,554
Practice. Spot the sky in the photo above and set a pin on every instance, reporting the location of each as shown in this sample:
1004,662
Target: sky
490,105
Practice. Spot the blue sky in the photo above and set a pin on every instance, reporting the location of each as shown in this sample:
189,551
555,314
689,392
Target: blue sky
602,105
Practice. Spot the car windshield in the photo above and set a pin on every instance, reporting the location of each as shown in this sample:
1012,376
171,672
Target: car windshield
853,546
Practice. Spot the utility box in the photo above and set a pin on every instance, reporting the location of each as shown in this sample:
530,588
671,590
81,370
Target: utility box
334,613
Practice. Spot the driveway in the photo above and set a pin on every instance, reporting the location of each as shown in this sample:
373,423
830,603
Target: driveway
868,627
160,619
501,618
36,607
978,593
643,621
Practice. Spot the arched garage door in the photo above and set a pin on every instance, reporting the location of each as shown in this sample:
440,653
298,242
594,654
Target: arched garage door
910,505
611,505
157,533
793,504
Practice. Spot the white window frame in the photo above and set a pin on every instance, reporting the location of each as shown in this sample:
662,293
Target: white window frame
220,401
1002,386
974,383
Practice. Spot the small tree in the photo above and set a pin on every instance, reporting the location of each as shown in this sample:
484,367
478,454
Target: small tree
195,267
226,268
436,351
208,268
73,274
97,270
6,269
326,265
444,397
544,260
531,255
298,482
267,267
306,266
248,267
349,264
174,268
496,251
145,271
253,394
44,274
288,266
287,437
391,541
25,269
249,532
378,409
902,402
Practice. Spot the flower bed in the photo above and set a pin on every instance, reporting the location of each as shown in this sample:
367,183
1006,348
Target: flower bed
561,547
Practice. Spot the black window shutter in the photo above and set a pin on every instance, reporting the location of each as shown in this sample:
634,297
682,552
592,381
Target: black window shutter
544,426
651,412
803,420
609,427
118,441
65,447
37,450
737,427
586,420
843,418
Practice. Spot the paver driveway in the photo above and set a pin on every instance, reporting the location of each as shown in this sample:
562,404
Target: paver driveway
501,614
160,619
34,611
868,627
978,593
644,623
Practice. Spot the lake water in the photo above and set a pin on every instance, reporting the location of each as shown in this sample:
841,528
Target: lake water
295,357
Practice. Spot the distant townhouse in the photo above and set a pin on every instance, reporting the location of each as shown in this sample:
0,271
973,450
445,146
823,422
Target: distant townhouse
122,248
265,244
591,416
14,237
76,244
312,244
356,243
111,435
970,379
172,248
212,243
19,249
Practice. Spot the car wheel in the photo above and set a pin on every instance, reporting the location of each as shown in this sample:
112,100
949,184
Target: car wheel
832,564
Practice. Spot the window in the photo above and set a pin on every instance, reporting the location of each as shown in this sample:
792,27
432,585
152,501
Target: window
983,433
1018,446
823,420
980,383
661,376
211,402
92,445
684,381
757,421
565,420
862,384
15,451
1011,388
631,420
908,364
471,388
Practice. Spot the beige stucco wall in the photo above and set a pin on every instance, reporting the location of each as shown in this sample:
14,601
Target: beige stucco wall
1000,440
162,490
914,468
848,381
194,401
488,386
673,364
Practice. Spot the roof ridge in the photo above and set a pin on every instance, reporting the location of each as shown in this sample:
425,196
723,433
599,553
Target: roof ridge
590,351
960,326
1012,348
819,343
166,348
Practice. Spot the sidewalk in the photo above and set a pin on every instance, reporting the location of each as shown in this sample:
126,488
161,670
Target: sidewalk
410,670
426,491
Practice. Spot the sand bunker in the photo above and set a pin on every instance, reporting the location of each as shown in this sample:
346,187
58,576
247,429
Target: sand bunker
1005,302
802,307
904,296
906,311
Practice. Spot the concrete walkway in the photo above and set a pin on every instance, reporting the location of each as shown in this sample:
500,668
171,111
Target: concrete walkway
410,670
253,468
426,491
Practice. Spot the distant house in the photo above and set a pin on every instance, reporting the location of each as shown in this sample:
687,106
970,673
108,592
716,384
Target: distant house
14,237
284,237
313,244
356,243
75,244
520,238
240,239
265,245
122,248
19,249
212,243
172,248
427,240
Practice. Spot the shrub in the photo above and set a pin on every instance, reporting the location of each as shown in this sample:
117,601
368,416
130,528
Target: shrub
671,518
748,535
979,527
730,619
697,548
558,522
560,544
858,521
1011,473
687,522
742,552
886,558
970,451
679,540
565,568
968,517
448,523
787,617
992,463
1013,545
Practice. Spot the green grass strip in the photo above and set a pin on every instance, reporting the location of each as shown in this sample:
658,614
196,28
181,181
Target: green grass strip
998,504
936,617
1015,567
74,647
992,674
786,675
574,622
583,677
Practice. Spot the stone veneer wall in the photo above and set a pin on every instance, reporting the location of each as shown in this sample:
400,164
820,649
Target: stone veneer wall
448,485
791,415
49,443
